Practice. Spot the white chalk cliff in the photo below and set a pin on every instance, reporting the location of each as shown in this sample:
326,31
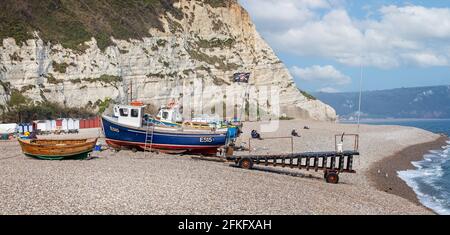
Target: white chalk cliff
208,44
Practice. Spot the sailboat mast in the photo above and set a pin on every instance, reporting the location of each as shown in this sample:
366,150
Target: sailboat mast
360,94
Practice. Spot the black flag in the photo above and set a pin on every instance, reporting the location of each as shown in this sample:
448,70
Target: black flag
241,77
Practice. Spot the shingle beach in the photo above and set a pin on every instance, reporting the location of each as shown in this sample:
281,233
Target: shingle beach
136,183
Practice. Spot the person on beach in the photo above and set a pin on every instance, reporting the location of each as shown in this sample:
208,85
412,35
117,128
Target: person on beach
256,135
33,135
294,133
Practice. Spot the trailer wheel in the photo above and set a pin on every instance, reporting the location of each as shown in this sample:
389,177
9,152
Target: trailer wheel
246,163
332,177
134,149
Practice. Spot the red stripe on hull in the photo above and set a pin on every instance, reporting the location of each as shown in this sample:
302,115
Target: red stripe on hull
210,150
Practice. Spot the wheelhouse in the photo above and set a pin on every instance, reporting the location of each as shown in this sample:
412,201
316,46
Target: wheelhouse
130,115
167,114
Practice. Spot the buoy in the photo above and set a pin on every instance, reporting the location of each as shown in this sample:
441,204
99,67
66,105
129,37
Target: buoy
137,103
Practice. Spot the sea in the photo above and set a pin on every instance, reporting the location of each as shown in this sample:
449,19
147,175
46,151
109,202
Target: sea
431,178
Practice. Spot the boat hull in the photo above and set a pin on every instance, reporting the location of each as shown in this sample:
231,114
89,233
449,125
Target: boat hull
164,139
80,156
57,149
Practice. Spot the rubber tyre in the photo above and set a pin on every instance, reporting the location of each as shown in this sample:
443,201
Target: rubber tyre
332,178
246,163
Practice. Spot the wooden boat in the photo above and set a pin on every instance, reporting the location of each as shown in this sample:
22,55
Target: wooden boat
57,149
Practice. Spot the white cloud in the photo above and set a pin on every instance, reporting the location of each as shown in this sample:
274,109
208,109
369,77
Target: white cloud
279,15
326,74
333,36
328,90
426,59
415,22
390,37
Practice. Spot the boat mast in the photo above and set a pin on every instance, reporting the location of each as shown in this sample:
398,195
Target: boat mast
360,94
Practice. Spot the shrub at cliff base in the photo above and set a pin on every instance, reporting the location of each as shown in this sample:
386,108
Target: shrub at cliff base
20,109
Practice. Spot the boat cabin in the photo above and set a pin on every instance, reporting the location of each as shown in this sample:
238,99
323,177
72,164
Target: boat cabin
168,114
207,118
131,115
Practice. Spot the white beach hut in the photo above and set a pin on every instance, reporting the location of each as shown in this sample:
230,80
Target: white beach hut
20,128
8,128
48,125
53,125
41,125
30,128
70,124
76,124
65,124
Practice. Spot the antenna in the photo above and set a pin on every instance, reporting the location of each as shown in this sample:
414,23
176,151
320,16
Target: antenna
131,87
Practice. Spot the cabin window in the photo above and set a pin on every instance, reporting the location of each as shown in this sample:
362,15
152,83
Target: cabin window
123,112
165,115
134,113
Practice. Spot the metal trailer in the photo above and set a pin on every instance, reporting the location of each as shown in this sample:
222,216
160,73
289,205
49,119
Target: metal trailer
331,163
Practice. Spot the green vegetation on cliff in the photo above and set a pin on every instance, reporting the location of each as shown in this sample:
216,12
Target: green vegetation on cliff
72,23
218,3
105,80
307,95
60,68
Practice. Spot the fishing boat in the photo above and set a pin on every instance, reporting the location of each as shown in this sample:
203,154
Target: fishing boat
57,149
128,128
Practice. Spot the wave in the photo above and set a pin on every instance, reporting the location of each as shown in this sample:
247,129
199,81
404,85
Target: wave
431,180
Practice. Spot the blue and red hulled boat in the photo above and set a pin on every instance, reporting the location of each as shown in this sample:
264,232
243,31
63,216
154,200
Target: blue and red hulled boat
128,128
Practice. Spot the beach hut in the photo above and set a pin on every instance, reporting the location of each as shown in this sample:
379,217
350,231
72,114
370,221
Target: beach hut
91,123
48,125
97,122
70,124
8,128
53,125
59,123
82,123
20,128
41,125
65,124
28,127
76,124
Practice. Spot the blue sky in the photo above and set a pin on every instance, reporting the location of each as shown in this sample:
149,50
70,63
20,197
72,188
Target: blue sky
324,42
